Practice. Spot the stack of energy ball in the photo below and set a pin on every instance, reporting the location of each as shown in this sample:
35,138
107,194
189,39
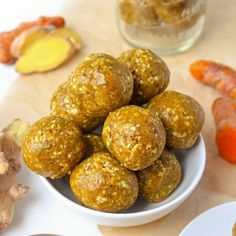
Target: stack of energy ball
181,14
108,172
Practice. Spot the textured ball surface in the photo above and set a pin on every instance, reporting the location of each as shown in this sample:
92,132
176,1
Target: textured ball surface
135,136
52,147
101,183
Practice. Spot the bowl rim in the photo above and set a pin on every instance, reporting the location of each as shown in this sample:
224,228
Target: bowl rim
207,211
170,204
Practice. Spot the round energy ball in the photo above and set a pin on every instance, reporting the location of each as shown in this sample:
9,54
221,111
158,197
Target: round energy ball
171,14
101,84
52,147
93,143
135,136
160,179
138,12
182,116
150,73
128,11
101,183
178,12
63,105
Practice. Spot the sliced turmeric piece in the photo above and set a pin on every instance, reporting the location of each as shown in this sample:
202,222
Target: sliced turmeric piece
224,112
23,41
45,54
69,34
219,76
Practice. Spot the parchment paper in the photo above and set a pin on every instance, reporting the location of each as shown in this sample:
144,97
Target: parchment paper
28,98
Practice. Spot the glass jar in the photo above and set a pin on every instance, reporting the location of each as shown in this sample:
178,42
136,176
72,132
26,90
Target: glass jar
163,26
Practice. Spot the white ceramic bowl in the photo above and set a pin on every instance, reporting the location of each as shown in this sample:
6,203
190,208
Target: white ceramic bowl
192,162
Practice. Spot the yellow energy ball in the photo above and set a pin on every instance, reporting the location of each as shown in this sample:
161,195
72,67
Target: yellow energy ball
52,147
150,73
63,105
101,84
160,179
182,116
101,183
135,136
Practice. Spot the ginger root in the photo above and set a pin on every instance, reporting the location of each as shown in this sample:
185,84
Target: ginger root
23,41
44,55
10,191
6,38
68,34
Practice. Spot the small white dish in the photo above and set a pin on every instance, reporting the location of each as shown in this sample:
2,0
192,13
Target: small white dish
217,221
192,162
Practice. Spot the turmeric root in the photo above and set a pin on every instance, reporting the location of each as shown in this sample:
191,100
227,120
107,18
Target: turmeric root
6,38
10,191
44,55
224,112
24,40
68,34
221,77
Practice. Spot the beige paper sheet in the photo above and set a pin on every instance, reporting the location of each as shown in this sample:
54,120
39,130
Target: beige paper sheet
28,98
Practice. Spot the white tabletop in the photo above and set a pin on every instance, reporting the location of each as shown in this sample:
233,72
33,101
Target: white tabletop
40,211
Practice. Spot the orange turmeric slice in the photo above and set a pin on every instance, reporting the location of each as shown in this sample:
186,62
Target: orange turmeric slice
219,76
224,112
45,54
